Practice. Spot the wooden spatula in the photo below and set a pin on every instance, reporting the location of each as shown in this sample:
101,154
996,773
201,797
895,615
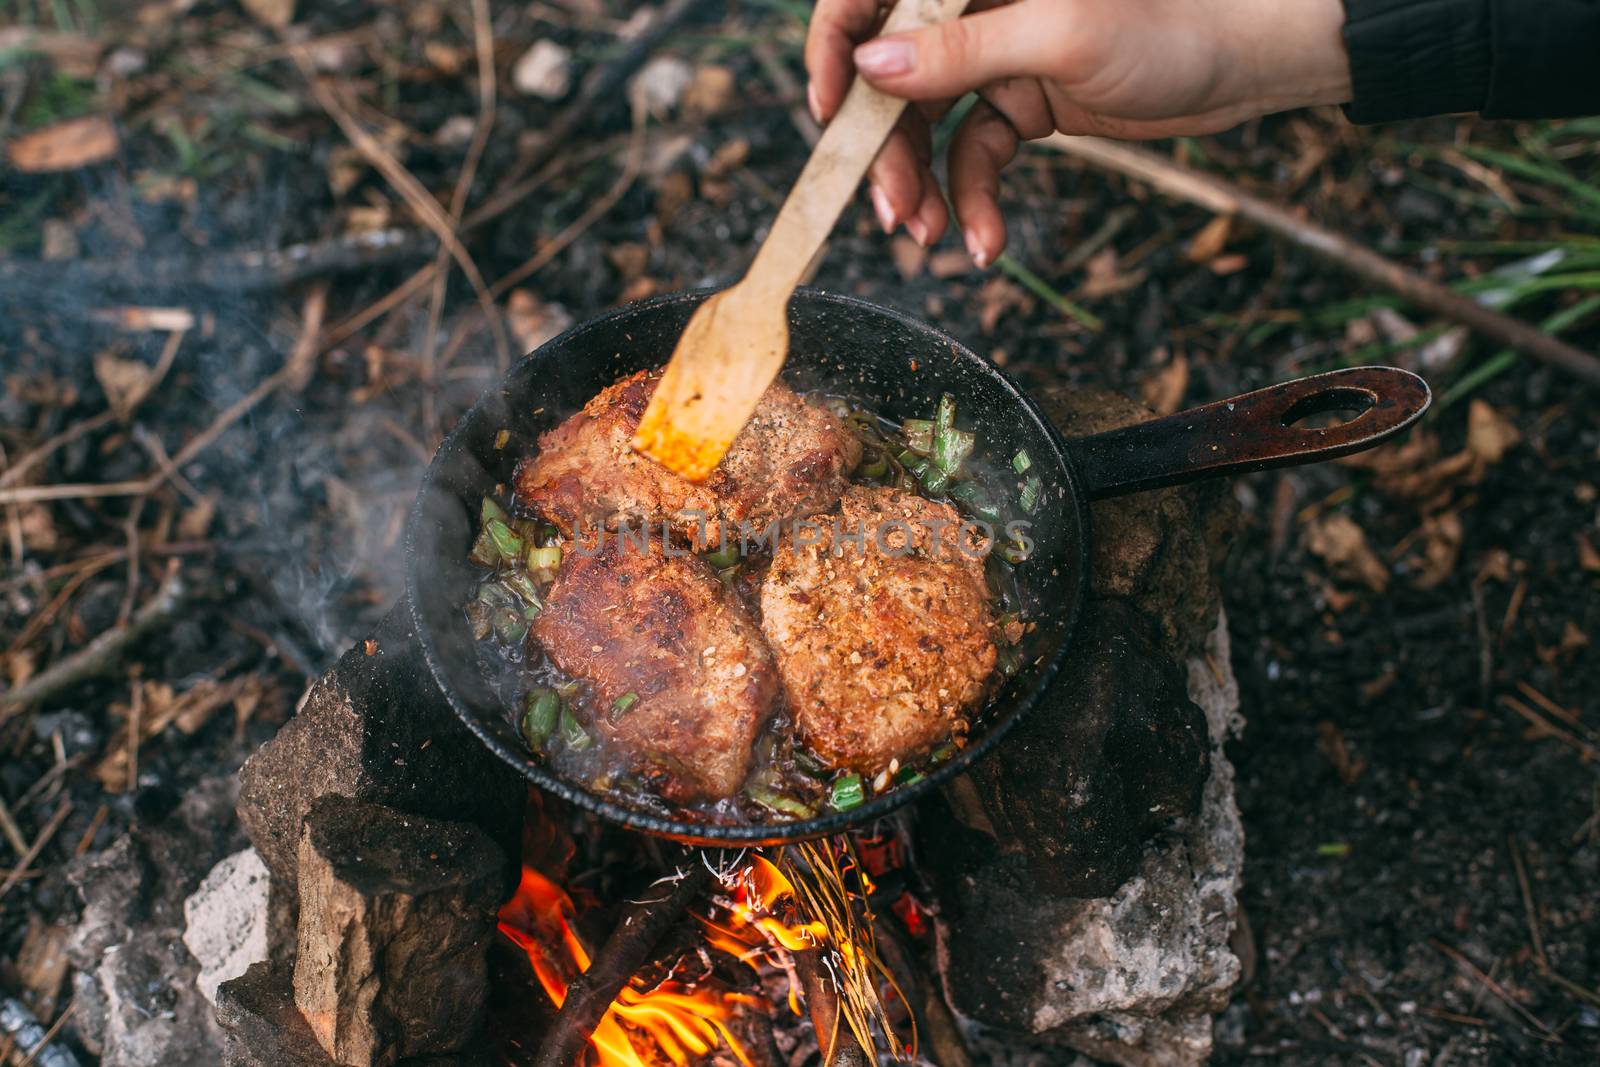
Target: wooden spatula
736,342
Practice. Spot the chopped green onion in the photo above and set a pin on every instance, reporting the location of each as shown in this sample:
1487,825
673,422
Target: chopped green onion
1012,552
1009,660
506,540
541,559
909,776
489,511
480,617
620,706
544,709
943,752
494,595
919,435
876,467
934,480
573,735
913,463
510,625
484,553
944,419
522,585
724,557
777,802
1030,494
727,574
809,764
1021,461
568,689
951,448
847,792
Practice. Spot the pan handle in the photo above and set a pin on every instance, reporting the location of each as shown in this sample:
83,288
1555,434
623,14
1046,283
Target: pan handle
1252,432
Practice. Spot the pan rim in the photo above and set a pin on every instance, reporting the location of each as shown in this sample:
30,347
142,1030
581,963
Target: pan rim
749,834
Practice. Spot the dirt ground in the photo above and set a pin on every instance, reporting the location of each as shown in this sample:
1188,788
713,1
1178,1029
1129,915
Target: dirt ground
1413,633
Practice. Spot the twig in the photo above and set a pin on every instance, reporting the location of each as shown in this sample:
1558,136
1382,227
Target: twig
21,869
643,923
294,372
1494,987
8,826
602,87
591,214
1550,729
483,44
1214,194
28,460
789,88
272,268
838,1045
101,654
1527,903
410,189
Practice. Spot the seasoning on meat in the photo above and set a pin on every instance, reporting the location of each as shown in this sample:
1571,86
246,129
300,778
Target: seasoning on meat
883,644
683,678
790,460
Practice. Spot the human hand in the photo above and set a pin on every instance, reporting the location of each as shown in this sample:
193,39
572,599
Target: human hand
1118,68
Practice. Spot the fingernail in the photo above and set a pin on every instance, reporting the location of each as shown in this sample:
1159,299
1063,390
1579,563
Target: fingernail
885,58
811,99
975,250
885,210
918,231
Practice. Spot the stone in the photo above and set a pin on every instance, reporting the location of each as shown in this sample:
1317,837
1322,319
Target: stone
1114,752
1156,549
544,70
265,1029
396,916
375,728
226,920
135,1001
1132,978
659,86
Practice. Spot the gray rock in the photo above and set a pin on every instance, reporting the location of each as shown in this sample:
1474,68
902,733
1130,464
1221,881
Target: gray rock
135,1003
1114,752
1132,978
396,914
226,920
1158,550
265,1029
375,728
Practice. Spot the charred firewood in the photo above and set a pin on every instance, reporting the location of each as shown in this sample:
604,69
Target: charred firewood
839,1046
643,923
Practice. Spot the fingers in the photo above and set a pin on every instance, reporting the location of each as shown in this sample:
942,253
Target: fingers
983,144
836,27
956,56
897,179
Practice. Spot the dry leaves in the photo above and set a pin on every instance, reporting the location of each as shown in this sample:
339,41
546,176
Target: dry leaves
274,13
1104,277
533,321
1588,555
65,146
1209,242
1342,544
998,296
1489,434
126,381
909,257
1163,389
159,706
710,92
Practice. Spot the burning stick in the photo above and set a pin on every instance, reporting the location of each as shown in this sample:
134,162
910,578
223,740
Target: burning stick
838,1045
589,996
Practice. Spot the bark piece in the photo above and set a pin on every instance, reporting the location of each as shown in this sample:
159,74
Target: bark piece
375,728
396,913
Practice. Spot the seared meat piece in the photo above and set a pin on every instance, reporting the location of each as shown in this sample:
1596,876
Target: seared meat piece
882,647
663,627
790,460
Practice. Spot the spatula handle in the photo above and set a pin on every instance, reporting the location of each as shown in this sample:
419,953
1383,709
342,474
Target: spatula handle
837,164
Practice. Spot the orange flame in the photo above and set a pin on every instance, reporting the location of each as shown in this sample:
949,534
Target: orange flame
683,1022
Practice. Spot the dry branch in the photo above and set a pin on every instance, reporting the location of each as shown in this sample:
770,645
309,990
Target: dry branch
99,655
838,1045
1214,194
641,926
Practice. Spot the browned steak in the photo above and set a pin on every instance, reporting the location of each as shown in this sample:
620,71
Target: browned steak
881,651
662,627
790,460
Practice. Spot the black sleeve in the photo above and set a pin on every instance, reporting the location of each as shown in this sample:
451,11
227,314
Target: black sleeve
1505,58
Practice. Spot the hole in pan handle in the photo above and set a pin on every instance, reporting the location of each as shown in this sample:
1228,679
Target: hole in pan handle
1252,432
